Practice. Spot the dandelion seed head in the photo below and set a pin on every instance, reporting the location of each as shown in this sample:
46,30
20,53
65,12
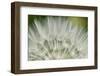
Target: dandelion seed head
56,38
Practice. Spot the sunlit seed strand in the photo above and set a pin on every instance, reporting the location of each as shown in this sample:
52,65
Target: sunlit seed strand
36,56
48,26
50,23
64,28
41,54
31,34
39,28
44,47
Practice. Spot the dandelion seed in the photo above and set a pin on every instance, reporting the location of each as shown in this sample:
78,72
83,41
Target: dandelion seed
56,38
